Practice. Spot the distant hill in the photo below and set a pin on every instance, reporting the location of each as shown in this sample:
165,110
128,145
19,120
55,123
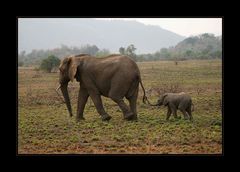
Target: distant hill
49,34
200,43
204,46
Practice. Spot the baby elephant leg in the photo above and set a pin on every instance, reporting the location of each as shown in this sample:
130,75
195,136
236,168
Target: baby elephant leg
184,114
168,113
189,111
173,109
175,113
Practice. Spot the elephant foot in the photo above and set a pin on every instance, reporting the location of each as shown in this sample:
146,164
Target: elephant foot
106,117
135,118
130,116
80,119
177,117
185,118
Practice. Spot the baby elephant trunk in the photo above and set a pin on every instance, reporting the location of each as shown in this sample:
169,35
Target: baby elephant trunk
157,104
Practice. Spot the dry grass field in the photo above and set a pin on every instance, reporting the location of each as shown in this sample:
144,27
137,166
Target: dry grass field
44,125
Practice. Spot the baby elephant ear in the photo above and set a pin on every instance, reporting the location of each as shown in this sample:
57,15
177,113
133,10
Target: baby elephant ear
165,99
72,68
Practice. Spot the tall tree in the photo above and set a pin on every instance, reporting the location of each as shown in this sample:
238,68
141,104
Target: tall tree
130,51
122,50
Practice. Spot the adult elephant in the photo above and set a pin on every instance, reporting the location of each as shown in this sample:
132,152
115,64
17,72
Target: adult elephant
114,76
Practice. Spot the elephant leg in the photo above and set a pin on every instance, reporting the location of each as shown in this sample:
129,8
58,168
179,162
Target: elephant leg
125,109
118,92
174,110
189,111
133,103
82,99
99,106
184,114
176,116
168,113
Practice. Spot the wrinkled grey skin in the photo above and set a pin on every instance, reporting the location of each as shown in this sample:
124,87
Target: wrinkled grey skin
114,76
176,101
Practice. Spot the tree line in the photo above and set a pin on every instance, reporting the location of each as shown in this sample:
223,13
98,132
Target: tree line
35,57
204,46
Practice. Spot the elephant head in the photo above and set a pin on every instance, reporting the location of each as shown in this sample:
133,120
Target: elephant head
68,69
163,100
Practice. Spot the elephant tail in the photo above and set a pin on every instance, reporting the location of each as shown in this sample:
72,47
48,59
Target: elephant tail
144,94
192,107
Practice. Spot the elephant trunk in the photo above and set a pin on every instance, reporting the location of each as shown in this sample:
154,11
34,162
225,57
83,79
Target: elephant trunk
157,104
66,98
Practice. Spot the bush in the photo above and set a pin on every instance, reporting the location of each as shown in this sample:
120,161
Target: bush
20,63
49,63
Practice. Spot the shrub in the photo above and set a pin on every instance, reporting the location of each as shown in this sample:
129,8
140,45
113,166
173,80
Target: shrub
49,63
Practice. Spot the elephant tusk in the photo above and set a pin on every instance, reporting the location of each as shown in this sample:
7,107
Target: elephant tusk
58,87
59,94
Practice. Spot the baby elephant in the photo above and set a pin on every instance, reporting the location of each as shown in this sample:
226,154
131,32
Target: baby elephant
174,101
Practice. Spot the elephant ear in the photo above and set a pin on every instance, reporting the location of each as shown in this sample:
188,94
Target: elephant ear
165,99
73,65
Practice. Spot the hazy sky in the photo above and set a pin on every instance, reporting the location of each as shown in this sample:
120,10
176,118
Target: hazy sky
182,26
33,32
